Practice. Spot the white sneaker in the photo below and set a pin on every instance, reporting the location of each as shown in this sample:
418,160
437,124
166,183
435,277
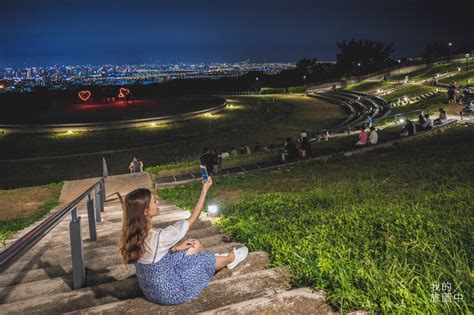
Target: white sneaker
240,255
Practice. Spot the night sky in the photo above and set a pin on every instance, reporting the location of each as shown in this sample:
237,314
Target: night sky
70,32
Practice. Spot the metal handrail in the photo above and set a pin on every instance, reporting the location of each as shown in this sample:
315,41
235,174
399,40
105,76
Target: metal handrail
95,205
14,251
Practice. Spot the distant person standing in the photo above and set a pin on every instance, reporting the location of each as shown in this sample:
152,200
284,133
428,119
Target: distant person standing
209,160
303,134
136,166
290,150
451,94
305,148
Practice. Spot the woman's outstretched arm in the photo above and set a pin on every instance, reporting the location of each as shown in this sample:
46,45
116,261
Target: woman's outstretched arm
200,204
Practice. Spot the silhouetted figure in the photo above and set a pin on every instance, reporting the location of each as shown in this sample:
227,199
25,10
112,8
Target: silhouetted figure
136,166
209,159
306,147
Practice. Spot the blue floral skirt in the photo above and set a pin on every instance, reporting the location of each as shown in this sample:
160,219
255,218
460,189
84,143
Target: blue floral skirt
176,278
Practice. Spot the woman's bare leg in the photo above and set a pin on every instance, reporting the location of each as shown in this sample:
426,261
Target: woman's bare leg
222,261
196,249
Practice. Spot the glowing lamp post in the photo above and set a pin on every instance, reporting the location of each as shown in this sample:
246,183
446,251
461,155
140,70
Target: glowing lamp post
467,70
450,45
399,69
358,69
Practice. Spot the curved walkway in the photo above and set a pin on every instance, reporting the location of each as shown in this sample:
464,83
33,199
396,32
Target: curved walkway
120,124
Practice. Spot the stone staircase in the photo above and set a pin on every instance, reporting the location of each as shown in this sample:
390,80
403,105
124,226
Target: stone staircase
40,282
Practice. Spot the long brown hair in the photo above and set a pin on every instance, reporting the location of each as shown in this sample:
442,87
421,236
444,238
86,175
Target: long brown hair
135,224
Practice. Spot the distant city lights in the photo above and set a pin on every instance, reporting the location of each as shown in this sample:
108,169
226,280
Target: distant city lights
24,79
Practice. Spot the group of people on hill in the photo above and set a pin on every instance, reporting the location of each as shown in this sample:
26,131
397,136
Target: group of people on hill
424,123
211,160
291,151
370,138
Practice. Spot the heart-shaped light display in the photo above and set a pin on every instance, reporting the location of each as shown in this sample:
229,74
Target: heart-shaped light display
123,92
85,95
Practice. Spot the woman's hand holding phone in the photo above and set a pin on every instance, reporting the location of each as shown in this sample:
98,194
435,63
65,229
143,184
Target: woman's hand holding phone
207,184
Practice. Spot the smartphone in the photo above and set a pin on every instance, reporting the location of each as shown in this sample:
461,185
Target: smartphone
204,174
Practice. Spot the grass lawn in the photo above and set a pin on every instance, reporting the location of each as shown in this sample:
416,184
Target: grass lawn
267,119
371,86
375,231
460,77
409,91
431,71
21,207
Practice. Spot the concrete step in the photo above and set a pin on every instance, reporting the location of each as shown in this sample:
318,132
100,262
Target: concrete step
65,255
219,293
241,287
298,301
109,263
104,231
105,240
22,292
114,222
65,262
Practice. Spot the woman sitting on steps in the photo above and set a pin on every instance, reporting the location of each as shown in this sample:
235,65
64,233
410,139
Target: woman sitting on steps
167,272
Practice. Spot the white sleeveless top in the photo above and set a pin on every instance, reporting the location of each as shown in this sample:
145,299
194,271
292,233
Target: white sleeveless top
168,237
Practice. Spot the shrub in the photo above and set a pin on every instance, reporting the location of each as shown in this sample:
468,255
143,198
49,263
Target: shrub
269,90
296,89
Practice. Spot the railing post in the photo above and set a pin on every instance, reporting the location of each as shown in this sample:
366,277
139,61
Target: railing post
102,190
91,218
78,270
98,205
105,169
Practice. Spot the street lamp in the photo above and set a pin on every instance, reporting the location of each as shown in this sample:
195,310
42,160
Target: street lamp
450,44
467,70
304,80
399,70
358,69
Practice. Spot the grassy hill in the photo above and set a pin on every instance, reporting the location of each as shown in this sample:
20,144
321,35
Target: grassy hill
60,156
374,231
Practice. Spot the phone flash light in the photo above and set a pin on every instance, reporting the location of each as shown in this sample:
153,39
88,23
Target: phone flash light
213,210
